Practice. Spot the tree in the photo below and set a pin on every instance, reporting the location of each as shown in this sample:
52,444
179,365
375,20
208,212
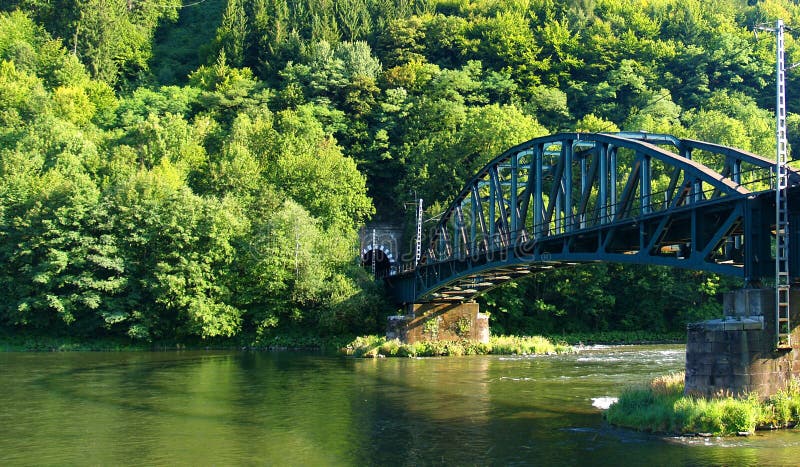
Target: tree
111,37
506,42
60,260
233,33
178,251
303,161
459,142
284,265
226,90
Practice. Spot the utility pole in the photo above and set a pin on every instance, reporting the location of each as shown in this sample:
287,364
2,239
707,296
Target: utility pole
296,253
418,243
783,326
374,252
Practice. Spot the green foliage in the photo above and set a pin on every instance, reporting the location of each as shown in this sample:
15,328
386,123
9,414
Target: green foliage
620,337
179,248
599,298
661,406
463,326
112,38
137,216
514,345
61,264
783,408
431,328
378,346
226,201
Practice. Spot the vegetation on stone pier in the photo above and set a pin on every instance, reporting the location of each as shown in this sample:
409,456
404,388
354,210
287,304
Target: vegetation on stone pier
661,406
378,346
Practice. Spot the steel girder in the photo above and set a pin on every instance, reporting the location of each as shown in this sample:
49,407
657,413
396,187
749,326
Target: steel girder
574,198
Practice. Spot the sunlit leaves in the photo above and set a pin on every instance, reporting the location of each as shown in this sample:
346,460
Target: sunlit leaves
61,263
178,247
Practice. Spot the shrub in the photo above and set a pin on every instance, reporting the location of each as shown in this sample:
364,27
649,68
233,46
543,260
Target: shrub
390,348
661,406
364,346
373,346
515,345
740,415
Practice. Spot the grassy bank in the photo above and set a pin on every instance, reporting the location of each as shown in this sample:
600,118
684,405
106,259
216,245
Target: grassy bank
379,346
661,406
294,339
28,342
289,340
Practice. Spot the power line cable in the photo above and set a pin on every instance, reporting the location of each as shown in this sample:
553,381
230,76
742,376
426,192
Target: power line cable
178,7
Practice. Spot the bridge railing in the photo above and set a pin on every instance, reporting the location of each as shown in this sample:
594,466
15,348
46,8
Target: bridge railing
493,213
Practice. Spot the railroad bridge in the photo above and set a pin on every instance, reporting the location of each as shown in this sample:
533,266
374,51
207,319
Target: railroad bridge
576,198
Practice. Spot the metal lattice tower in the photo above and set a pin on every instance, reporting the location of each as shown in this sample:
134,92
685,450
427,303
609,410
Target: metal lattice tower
418,246
374,252
782,320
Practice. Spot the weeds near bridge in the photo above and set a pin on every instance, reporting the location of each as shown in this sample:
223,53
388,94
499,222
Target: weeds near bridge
661,406
528,345
377,346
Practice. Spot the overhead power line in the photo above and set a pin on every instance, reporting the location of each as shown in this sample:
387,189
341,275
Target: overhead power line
164,5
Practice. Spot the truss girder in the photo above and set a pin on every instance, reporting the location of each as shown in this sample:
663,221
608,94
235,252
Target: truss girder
573,198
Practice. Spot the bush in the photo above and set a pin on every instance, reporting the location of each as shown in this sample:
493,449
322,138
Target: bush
363,345
783,409
514,345
661,406
374,346
644,409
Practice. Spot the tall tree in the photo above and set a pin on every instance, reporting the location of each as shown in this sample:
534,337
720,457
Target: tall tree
233,33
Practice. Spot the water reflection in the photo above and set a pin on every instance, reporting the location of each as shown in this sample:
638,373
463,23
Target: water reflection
223,408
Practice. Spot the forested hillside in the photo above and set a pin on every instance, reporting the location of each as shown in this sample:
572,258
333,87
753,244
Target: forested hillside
182,169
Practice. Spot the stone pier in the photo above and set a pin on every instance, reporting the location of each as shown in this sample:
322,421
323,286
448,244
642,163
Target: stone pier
737,354
440,322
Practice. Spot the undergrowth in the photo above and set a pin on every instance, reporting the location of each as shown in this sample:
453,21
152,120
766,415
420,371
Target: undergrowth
661,406
378,346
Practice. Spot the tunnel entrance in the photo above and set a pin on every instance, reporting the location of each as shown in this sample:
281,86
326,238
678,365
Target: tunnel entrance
382,262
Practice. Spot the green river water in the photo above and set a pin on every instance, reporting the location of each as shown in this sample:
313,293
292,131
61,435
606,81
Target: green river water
286,408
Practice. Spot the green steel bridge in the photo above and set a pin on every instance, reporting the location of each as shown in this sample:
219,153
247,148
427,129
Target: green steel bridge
576,198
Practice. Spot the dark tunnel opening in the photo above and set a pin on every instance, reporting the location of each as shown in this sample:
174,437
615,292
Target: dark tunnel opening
382,262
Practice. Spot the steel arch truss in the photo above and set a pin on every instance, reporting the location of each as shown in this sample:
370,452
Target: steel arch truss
574,198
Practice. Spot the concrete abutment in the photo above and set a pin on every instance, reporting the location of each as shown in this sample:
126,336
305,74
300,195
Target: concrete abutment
737,354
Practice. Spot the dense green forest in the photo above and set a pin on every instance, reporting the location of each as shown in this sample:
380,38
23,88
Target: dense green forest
179,169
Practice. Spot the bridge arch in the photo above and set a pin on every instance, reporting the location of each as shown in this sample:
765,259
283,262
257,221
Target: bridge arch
573,198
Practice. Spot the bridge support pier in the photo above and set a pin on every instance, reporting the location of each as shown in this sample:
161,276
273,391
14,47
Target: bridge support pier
440,321
737,354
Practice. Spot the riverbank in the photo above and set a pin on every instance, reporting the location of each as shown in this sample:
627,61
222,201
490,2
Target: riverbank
292,340
379,346
660,406
300,340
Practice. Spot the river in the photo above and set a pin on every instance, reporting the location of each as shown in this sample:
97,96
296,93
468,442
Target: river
287,408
